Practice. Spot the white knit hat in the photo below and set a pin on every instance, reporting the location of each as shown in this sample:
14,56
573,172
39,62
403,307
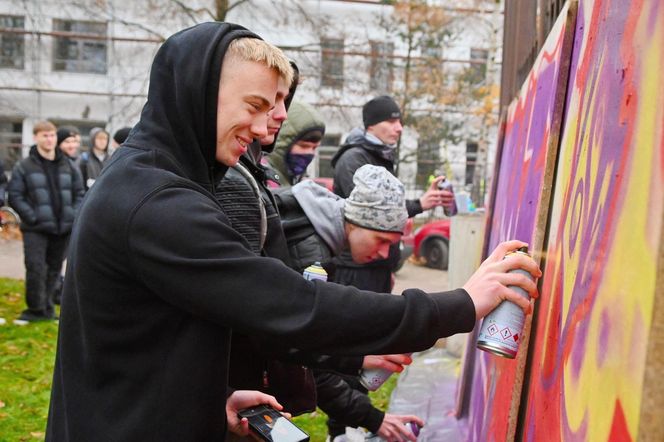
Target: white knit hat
377,201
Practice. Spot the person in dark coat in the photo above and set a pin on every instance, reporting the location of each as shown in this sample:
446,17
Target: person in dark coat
119,137
69,142
157,279
376,144
318,225
296,144
93,161
45,190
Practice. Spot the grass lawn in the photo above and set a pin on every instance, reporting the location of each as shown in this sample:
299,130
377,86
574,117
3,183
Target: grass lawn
26,368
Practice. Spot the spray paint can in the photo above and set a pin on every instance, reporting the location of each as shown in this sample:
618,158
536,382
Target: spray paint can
501,329
315,271
446,185
414,428
373,378
411,426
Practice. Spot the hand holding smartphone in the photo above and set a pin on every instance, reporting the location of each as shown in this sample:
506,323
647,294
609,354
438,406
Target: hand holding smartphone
267,424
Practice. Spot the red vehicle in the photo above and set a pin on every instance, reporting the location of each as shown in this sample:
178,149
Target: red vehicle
430,242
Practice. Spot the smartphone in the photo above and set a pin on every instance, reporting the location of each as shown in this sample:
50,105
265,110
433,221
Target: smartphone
267,424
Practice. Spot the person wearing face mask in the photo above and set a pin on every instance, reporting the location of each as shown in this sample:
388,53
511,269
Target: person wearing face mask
296,144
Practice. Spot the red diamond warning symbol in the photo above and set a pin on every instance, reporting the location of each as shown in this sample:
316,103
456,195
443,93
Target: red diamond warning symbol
515,337
492,329
506,333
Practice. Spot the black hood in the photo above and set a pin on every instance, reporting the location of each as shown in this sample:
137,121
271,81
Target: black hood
180,116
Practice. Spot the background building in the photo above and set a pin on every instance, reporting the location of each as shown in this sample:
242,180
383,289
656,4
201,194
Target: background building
87,62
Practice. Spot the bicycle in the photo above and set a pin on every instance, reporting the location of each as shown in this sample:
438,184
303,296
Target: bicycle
9,224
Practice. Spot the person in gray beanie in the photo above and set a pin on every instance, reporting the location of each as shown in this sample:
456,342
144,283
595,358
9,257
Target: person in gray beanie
376,144
318,225
367,222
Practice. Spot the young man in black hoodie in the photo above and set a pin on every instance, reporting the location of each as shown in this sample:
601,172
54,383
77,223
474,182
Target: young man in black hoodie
157,279
45,190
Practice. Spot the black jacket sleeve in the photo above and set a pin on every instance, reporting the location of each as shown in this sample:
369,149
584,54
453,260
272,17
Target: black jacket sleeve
347,365
345,404
414,207
227,284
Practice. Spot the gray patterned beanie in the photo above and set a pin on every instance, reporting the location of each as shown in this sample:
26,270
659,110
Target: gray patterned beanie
378,200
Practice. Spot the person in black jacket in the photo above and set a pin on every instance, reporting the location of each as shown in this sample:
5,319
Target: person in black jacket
69,142
157,279
251,209
45,190
376,144
93,161
318,225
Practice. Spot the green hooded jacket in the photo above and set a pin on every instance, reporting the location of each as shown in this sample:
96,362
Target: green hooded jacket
302,121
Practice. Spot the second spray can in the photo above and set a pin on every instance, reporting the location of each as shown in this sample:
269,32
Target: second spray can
373,378
446,185
315,271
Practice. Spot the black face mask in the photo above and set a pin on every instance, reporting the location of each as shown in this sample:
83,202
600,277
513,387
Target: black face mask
297,162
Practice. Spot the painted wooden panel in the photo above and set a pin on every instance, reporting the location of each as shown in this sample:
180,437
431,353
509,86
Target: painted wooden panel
519,211
598,291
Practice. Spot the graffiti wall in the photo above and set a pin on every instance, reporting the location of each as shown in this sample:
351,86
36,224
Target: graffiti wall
597,295
524,179
587,192
590,373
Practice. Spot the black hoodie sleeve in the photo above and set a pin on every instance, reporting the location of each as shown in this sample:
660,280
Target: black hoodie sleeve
217,277
343,403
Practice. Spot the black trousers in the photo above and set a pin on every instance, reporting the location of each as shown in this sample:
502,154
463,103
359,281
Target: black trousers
43,255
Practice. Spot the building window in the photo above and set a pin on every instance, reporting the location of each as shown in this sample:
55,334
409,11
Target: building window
428,162
84,51
10,143
328,147
471,161
380,72
12,45
332,62
477,72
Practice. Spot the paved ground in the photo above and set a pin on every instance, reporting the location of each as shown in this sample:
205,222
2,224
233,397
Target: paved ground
11,259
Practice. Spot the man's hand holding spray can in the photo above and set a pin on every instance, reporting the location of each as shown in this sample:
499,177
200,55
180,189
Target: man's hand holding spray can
451,209
371,379
501,329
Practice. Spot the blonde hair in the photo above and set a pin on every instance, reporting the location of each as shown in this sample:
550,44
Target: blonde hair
43,126
254,49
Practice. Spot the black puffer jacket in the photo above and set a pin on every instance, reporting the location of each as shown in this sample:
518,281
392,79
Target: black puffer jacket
30,195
